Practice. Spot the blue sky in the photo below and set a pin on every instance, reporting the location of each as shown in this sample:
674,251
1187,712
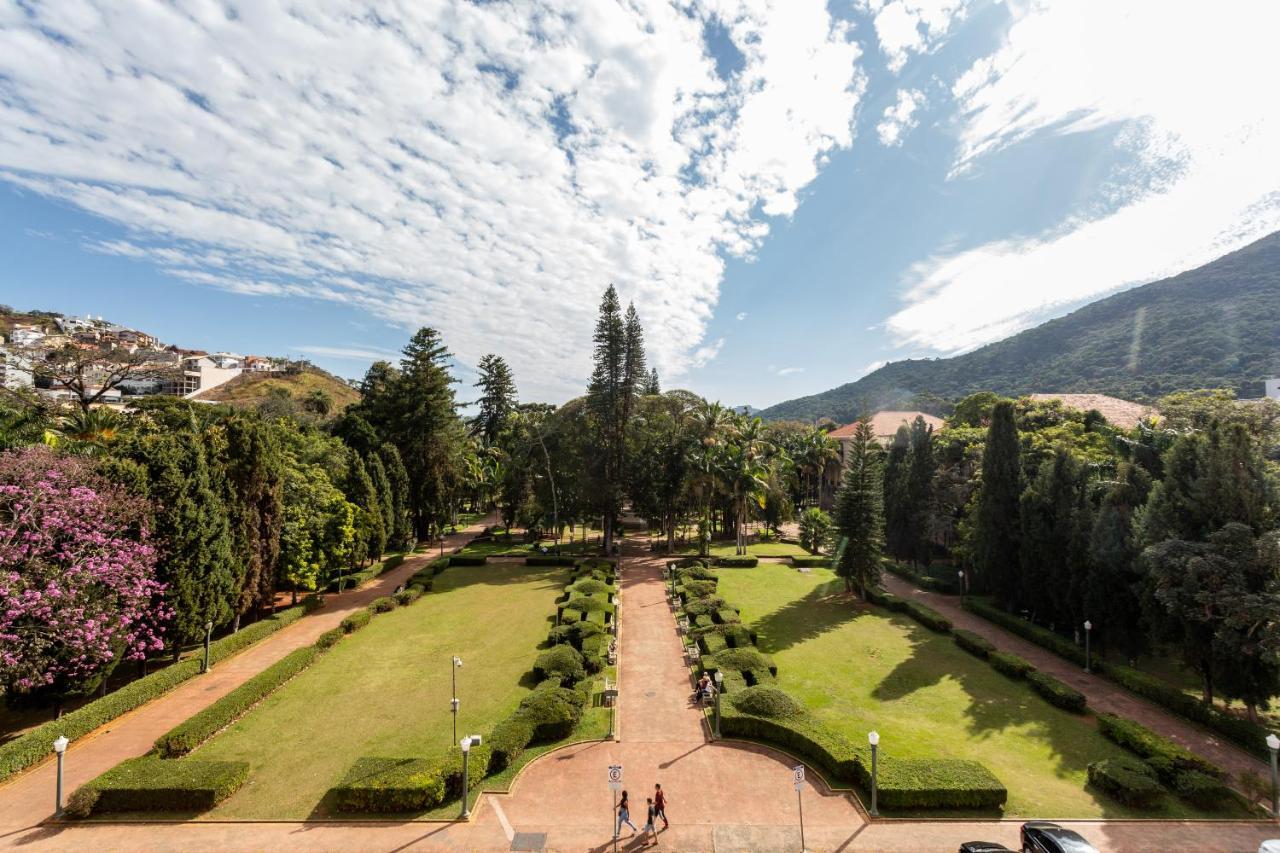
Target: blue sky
792,192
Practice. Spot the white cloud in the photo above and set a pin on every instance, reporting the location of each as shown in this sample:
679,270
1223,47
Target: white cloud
900,117
1191,93
871,368
742,315
703,355
906,27
351,353
789,371
484,168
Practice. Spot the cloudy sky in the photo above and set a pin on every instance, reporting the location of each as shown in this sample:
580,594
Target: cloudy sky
792,192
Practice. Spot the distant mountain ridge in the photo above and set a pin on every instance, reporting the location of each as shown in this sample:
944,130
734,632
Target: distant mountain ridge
1216,326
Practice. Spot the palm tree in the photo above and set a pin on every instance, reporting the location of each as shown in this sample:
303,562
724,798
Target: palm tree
818,450
709,421
91,432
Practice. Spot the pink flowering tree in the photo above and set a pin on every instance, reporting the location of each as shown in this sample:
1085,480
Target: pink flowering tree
78,592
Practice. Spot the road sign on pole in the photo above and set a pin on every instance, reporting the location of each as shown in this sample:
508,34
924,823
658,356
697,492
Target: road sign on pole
615,777
797,775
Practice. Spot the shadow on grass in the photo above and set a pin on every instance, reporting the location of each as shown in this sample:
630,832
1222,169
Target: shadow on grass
823,609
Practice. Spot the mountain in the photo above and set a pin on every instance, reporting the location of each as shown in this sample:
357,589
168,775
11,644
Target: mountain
249,388
1217,326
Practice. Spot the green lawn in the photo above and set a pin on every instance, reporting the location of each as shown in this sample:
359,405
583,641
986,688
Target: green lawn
385,690
758,549
860,668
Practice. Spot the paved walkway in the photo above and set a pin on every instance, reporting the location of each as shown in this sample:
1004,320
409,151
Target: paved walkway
1103,695
28,798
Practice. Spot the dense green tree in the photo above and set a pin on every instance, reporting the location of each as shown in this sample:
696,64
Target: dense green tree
652,386
1055,522
1112,585
815,529
371,538
897,501
400,524
859,515
921,468
318,531
192,526
250,455
497,398
608,401
996,553
386,501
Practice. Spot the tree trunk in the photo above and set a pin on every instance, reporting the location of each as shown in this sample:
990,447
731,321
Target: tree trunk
235,626
1207,696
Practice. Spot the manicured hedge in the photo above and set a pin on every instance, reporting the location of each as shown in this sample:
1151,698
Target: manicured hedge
152,784
595,651
704,606
549,560
329,638
744,561
973,643
467,559
562,662
508,741
590,586
552,712
889,601
710,644
934,783
1127,780
389,785
355,579
1137,738
355,621
742,660
1062,695
1010,664
802,736
810,561
408,595
699,572
196,729
726,616
689,563
37,745
1027,630
735,634
1202,791
385,604
927,616
696,588
767,702
948,586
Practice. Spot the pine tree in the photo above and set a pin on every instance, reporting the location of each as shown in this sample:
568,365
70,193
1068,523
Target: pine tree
424,426
1111,593
1054,523
652,388
608,401
497,398
995,536
897,506
371,539
400,527
386,502
193,531
859,515
635,375
920,498
255,479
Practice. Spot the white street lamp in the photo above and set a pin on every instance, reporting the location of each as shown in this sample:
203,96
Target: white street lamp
874,739
719,689
453,703
208,635
60,748
466,743
1273,744
1088,626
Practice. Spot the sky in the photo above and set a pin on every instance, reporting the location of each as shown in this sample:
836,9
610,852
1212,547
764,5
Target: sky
792,193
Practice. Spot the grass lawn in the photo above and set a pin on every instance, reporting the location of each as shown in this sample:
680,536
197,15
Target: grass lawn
757,549
385,690
860,668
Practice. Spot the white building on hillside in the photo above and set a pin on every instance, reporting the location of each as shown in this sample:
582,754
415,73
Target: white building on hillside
203,372
15,371
1273,388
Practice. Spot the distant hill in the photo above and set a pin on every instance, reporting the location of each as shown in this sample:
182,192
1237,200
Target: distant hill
1217,326
249,389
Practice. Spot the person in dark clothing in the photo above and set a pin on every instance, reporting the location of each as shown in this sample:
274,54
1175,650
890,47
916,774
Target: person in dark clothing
660,805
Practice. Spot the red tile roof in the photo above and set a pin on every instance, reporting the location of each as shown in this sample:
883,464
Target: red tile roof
885,424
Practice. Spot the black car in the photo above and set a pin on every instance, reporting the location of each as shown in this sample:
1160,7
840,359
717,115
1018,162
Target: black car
983,847
1040,836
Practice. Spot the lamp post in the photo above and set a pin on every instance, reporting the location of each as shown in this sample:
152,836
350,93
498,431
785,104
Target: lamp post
466,743
719,689
208,635
874,739
1088,626
453,703
960,577
1273,744
60,748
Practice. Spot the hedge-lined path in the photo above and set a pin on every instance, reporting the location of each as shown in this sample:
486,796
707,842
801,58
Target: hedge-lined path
727,796
1103,695
28,798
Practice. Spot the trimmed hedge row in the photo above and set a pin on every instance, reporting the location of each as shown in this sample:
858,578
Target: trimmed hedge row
927,616
1057,693
1026,630
355,621
973,643
1127,780
1010,664
355,579
150,783
189,734
929,582
1163,754
37,745
741,561
810,561
467,559
549,560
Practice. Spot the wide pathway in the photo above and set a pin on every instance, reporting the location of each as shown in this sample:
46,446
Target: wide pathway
28,798
1103,695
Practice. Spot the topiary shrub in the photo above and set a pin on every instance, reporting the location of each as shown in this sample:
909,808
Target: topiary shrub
710,644
1127,780
973,643
574,633
700,572
329,638
689,563
810,561
767,702
408,595
153,784
726,615
595,652
467,559
385,604
927,616
552,712
704,606
1010,664
1062,695
549,560
508,741
1145,743
934,783
740,561
1202,791
355,621
742,660
389,785
563,663
590,586
697,589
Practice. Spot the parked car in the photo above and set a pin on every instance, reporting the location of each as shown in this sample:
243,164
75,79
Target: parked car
983,847
1039,836
1271,845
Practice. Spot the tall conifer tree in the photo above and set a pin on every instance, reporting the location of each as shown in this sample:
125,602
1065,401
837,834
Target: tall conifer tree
996,555
859,516
497,397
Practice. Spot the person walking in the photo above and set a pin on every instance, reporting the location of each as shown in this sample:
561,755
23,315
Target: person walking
660,805
624,816
649,831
